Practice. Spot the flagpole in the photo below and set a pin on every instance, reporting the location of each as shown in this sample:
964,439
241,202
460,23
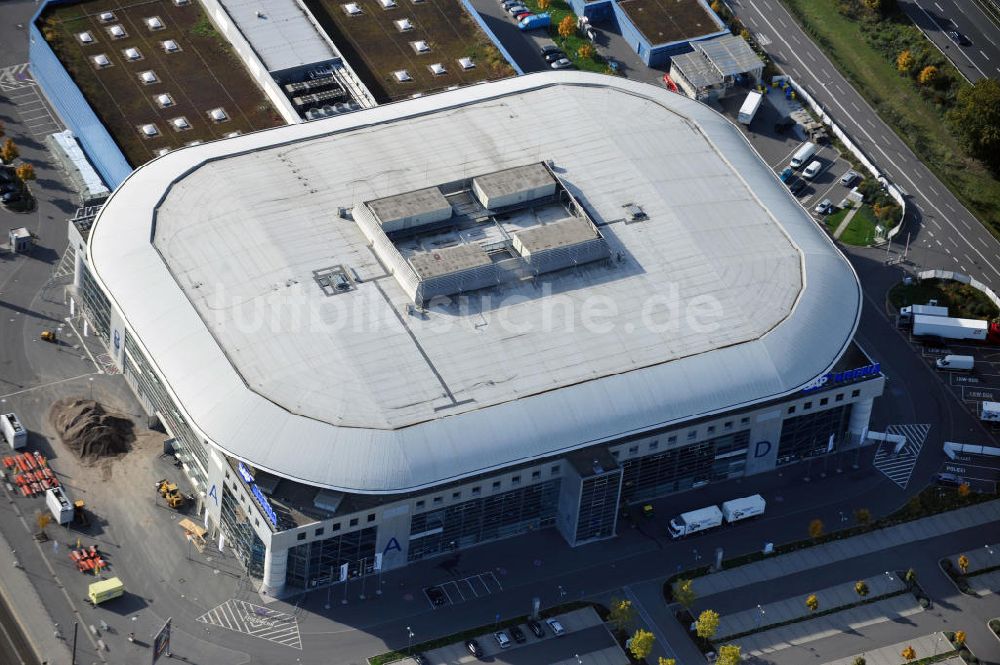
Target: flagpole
378,567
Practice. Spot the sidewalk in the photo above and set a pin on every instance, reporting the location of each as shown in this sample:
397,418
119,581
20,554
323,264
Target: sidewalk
926,645
844,222
27,609
848,548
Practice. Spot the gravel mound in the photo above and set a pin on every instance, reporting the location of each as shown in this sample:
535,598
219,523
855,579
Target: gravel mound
90,431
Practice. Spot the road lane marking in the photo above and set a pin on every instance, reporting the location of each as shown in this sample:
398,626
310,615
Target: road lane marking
984,55
952,241
936,192
940,8
930,233
980,239
935,223
938,242
782,22
856,107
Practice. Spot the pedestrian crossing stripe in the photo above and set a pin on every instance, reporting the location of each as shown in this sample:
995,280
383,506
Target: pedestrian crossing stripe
15,77
898,467
256,621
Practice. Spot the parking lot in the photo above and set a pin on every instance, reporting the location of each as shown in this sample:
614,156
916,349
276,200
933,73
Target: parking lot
458,591
776,146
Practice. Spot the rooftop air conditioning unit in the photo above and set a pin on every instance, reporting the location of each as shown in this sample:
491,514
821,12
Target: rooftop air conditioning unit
218,115
132,53
148,76
164,100
150,130
193,143
466,63
352,9
101,60
117,31
437,69
231,135
85,37
181,3
387,4
402,76
170,46
154,23
160,152
421,46
180,123
106,17
404,25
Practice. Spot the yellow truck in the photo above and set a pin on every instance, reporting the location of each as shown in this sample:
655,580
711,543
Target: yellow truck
105,590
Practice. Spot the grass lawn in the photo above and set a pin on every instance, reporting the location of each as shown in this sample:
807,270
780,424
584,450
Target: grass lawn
204,74
375,47
962,300
914,117
861,229
834,220
558,10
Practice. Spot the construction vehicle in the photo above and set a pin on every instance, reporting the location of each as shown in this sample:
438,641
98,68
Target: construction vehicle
48,336
80,513
170,493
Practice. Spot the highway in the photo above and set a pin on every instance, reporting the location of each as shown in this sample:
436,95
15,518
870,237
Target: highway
979,20
943,234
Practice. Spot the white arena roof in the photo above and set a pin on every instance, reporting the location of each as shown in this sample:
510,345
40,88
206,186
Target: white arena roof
728,294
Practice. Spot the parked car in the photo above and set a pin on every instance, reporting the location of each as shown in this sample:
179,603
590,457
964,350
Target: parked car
553,56
514,10
436,595
797,186
523,15
824,207
502,639
474,648
507,4
557,628
812,170
518,635
786,174
958,38
948,479
420,659
561,63
550,48
849,178
536,628
10,198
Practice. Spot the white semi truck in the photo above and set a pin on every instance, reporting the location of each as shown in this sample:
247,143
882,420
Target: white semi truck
710,517
931,309
750,107
950,328
59,505
13,432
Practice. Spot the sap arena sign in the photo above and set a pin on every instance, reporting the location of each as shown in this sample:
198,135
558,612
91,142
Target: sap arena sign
833,378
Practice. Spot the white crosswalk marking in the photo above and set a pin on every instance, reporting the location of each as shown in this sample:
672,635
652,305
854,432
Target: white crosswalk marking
899,467
14,77
243,617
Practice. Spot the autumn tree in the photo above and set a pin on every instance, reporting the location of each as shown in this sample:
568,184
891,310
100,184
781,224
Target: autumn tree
544,4
910,577
9,151
976,119
816,529
861,588
729,654
25,172
622,614
586,51
959,637
904,61
928,75
707,624
862,516
964,490
684,593
812,602
963,563
860,660
641,644
665,661
908,654
567,26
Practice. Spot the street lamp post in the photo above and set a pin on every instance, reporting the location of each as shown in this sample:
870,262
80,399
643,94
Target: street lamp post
409,640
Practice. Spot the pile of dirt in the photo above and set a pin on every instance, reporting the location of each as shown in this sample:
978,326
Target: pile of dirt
90,431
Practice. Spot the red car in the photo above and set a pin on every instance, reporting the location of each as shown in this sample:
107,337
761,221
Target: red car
523,15
669,82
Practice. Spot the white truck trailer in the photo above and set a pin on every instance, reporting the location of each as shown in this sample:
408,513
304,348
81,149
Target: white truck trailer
750,107
59,504
735,510
13,432
695,521
907,313
950,328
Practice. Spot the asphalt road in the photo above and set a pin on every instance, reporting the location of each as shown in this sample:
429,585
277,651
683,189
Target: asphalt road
520,45
949,236
979,20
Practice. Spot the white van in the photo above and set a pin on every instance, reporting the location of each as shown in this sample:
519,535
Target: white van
812,170
803,154
965,363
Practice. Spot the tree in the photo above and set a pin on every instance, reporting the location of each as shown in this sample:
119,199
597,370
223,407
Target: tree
567,26
641,644
9,151
586,51
816,529
622,614
910,577
959,637
964,490
963,563
880,8
812,602
544,4
3,130
859,660
745,34
976,120
665,661
928,75
904,61
862,516
707,624
861,588
729,654
24,173
684,593
908,654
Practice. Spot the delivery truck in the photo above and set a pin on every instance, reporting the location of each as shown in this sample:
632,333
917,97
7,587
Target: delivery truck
695,521
949,328
98,592
750,107
735,510
990,412
931,309
13,433
59,505
956,363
